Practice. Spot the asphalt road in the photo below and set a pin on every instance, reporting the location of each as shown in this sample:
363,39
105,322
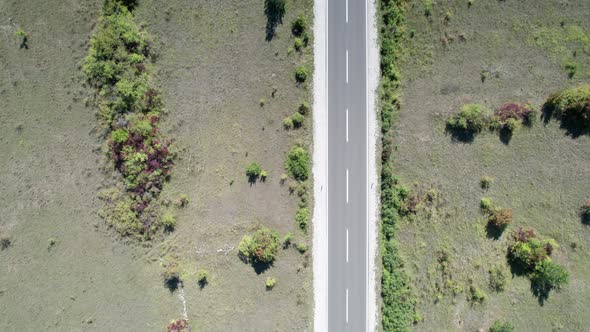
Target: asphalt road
347,165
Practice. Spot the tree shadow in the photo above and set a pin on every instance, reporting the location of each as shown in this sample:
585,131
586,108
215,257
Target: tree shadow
203,283
463,136
573,125
260,267
172,284
540,291
274,11
585,218
252,180
493,232
505,135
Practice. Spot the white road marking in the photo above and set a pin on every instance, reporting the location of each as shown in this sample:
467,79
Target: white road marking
347,125
347,185
346,66
346,11
347,306
347,245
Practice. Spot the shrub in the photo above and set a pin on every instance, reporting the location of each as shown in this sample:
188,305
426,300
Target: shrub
548,275
171,273
253,170
298,44
501,326
261,247
476,295
300,74
287,240
288,123
203,277
263,175
511,115
302,218
283,178
297,163
120,136
572,105
304,108
486,204
297,119
472,118
299,25
500,218
169,221
485,182
179,325
529,249
302,247
182,200
270,283
497,279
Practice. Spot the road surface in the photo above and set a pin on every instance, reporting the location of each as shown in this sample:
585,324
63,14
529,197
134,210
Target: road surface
347,165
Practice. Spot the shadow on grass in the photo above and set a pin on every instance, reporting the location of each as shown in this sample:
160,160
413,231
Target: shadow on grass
259,267
540,291
493,232
274,11
172,284
585,218
505,135
463,136
573,126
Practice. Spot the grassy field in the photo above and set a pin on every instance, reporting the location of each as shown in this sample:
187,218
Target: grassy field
492,52
215,68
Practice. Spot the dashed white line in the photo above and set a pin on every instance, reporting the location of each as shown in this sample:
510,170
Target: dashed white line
346,11
346,66
347,185
347,306
347,125
347,245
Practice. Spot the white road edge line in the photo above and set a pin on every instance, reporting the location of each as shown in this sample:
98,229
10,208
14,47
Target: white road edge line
347,66
347,186
347,245
347,125
347,306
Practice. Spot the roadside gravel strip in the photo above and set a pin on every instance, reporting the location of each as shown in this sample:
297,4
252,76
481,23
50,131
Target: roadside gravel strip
320,166
373,72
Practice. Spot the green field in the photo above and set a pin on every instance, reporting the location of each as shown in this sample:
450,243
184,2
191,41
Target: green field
491,53
215,68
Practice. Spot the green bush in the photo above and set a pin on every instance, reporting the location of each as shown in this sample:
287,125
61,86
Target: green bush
304,108
297,119
501,326
528,249
261,247
288,123
547,275
476,295
120,135
300,74
302,218
203,277
253,170
287,240
486,204
263,175
298,44
486,182
497,279
299,26
297,163
169,221
572,105
302,247
472,118
270,283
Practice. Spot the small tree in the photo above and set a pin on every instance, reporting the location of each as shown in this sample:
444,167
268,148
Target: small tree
500,218
302,218
548,275
299,26
297,163
253,171
472,118
297,119
300,74
501,326
203,277
261,247
270,283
